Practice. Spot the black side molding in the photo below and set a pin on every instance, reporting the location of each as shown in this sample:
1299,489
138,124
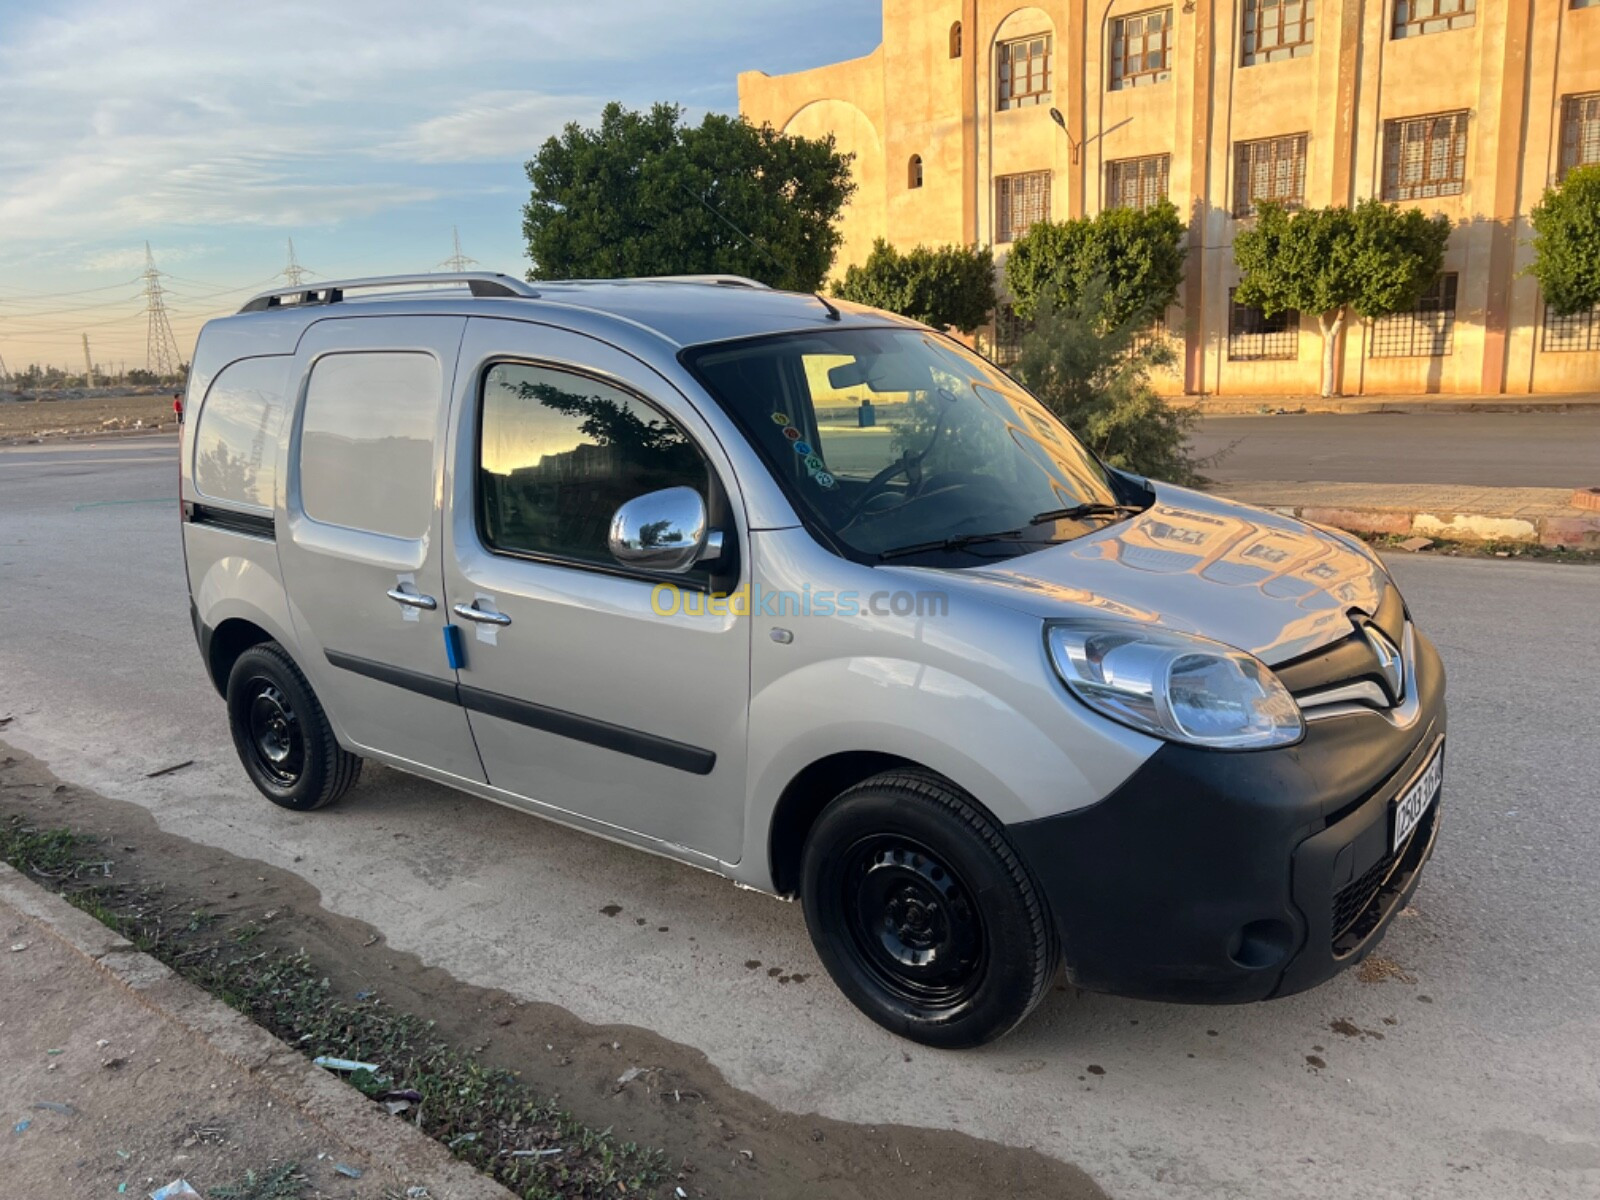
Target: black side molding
249,524
412,681
677,755
623,740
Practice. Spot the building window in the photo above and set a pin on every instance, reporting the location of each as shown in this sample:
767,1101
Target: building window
1580,131
1577,332
1277,29
1427,331
1020,200
1137,182
914,172
955,40
1025,72
1274,169
1425,157
1586,3
1255,337
1415,17
1009,330
1141,49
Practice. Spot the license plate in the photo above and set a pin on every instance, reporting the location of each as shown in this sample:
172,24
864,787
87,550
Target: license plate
1414,802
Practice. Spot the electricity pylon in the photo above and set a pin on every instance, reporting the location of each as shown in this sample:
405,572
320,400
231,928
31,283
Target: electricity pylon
458,261
161,348
294,272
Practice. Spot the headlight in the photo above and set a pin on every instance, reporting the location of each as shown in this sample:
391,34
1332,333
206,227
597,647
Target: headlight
1174,685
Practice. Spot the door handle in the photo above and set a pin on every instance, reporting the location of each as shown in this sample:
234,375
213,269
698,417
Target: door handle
413,599
472,612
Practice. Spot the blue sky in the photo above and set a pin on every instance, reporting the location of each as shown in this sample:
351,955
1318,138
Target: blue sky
362,129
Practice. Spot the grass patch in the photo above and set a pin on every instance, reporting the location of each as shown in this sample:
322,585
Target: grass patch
483,1114
281,1182
47,853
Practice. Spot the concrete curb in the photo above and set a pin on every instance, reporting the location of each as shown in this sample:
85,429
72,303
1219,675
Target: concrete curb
1523,516
1251,406
344,1114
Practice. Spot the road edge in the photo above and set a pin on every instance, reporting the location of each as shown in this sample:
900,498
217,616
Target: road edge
340,1111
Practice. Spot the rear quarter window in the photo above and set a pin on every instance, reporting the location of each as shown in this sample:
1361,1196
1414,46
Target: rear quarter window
236,440
366,442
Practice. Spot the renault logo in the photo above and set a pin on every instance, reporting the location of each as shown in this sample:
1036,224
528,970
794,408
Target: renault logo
1389,661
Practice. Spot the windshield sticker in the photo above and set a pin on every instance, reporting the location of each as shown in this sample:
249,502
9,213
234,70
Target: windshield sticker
802,448
824,480
792,433
814,464
780,418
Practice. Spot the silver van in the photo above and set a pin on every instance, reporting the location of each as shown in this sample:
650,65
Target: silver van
818,599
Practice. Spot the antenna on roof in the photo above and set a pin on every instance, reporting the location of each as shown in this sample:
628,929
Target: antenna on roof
833,313
719,215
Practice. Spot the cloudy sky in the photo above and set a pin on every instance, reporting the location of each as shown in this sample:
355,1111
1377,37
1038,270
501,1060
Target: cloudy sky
363,130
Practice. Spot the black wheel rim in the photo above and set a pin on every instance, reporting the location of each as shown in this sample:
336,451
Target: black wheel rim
276,741
913,922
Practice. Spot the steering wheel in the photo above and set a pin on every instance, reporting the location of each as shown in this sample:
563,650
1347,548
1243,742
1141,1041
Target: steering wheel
907,464
952,479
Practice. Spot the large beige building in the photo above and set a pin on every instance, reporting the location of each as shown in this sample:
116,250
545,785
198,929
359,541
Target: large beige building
1466,107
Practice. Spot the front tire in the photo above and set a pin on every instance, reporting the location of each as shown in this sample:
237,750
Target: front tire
282,735
923,914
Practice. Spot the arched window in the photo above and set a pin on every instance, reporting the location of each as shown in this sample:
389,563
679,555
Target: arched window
914,172
955,40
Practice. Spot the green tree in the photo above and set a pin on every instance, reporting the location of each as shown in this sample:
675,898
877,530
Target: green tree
1372,260
1131,258
1566,242
647,194
950,286
1096,377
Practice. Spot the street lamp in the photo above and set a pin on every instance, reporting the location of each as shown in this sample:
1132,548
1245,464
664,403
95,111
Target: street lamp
1055,115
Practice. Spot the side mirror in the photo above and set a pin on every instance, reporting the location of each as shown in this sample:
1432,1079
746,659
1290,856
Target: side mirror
663,531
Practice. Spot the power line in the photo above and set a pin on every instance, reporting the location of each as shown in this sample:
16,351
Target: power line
161,348
6,313
56,295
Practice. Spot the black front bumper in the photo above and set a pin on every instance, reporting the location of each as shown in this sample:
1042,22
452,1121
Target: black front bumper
1216,877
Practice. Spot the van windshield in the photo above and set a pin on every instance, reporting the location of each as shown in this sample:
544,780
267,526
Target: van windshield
899,443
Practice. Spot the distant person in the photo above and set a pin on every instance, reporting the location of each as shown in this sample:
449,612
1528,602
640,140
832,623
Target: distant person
177,405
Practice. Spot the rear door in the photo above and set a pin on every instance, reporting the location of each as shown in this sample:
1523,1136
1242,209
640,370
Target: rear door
612,694
362,560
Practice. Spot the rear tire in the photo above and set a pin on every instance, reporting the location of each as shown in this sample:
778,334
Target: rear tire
282,735
923,914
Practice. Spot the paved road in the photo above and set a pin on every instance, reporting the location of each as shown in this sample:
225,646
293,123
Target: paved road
1488,449
1490,1088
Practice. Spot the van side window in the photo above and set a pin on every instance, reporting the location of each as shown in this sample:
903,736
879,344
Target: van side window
236,440
366,442
559,453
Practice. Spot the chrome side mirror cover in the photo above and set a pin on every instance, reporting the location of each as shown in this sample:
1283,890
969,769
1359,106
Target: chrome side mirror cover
663,531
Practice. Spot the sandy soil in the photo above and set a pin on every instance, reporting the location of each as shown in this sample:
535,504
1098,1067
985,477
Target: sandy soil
728,1142
97,1094
21,420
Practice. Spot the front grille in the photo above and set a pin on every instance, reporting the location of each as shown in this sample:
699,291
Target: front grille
1349,660
1360,905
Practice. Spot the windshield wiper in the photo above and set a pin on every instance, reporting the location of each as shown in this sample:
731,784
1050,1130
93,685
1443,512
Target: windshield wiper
955,543
1078,511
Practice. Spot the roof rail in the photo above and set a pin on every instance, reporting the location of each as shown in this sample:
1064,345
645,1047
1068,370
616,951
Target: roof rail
722,280
480,283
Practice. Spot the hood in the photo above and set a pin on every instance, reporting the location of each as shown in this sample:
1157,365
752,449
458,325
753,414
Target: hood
1255,580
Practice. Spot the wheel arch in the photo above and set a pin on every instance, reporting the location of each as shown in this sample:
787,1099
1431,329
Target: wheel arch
815,787
224,644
